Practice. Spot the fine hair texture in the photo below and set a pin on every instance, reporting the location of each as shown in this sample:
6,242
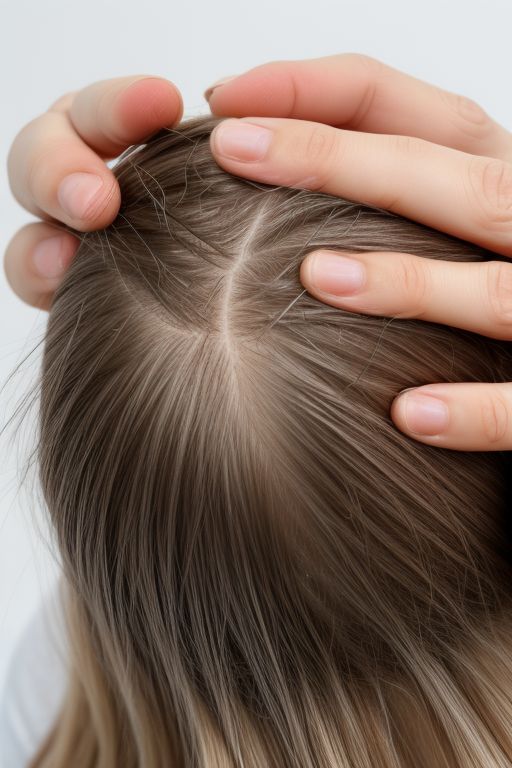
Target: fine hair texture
260,569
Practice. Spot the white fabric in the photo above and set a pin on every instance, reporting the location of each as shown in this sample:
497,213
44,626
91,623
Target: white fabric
35,685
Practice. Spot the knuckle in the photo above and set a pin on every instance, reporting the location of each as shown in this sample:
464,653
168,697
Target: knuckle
499,295
495,418
362,60
371,73
63,103
410,146
467,117
411,276
321,147
490,185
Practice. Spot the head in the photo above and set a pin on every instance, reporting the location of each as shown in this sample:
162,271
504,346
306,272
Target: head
261,570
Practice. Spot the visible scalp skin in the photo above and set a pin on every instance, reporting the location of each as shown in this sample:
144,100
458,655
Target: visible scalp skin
262,569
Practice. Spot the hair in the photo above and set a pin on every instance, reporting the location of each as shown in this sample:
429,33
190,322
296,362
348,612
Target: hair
260,569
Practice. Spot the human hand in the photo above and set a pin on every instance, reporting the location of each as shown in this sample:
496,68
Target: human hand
350,126
57,171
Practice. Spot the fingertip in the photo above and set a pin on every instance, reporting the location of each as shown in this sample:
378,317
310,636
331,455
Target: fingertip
219,96
207,94
146,105
89,200
420,414
35,261
52,256
264,90
216,98
305,270
397,411
308,271
333,276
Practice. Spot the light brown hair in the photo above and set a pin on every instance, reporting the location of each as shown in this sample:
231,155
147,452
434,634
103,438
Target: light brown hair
260,569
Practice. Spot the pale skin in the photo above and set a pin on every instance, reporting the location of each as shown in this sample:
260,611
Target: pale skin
347,125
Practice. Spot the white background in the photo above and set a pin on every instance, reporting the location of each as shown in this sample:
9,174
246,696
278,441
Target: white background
49,47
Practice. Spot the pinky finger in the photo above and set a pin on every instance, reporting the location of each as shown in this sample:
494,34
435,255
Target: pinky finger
464,417
35,261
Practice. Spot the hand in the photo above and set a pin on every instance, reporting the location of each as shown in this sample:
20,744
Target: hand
57,171
348,125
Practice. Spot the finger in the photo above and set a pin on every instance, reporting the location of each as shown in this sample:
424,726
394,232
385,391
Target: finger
475,296
464,417
55,166
361,93
110,115
465,195
35,261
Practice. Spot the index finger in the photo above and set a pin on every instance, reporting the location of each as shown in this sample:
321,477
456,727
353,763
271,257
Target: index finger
55,164
360,93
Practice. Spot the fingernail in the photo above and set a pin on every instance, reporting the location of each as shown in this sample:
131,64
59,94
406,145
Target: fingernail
241,140
52,255
336,275
216,84
424,414
78,192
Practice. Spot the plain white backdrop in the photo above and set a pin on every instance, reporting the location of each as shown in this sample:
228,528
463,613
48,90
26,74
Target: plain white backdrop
50,47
